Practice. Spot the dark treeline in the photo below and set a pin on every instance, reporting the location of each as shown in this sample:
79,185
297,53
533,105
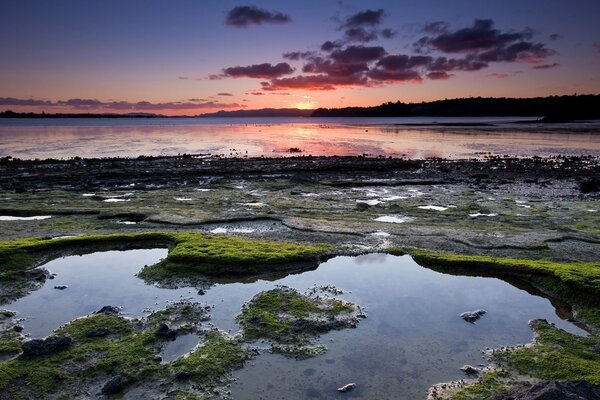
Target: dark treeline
552,108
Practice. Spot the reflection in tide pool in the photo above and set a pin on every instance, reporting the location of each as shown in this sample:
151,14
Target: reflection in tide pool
413,336
65,138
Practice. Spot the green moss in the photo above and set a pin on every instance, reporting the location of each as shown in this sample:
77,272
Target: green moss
556,355
9,346
79,327
274,314
487,386
213,359
191,251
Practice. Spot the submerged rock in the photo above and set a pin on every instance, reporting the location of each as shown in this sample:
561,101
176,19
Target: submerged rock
469,370
552,390
164,332
472,316
116,384
108,310
347,387
45,347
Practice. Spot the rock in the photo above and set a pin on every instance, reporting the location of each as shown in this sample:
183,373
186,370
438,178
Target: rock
183,375
362,206
552,390
61,287
469,370
164,332
472,316
347,387
45,347
98,332
589,185
18,328
108,310
116,384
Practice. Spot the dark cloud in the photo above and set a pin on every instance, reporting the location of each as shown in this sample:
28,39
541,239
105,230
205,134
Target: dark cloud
364,18
520,51
401,62
597,46
314,82
482,44
330,67
456,64
263,71
361,35
299,55
224,94
358,54
394,76
97,105
554,36
439,75
436,28
481,36
11,101
244,16
546,66
388,33
329,46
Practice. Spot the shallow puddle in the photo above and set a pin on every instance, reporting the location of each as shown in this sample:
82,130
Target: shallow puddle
413,336
178,347
34,218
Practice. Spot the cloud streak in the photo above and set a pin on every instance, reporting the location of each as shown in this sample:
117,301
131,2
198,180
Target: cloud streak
261,71
244,16
94,104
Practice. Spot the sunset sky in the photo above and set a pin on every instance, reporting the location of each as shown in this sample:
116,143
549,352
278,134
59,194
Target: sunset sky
190,57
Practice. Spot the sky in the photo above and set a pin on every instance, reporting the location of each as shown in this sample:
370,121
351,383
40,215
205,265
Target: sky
186,57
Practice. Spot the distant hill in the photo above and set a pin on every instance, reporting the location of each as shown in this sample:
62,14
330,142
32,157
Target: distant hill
552,108
263,112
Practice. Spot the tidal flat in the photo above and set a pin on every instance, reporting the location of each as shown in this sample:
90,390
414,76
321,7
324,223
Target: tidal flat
271,278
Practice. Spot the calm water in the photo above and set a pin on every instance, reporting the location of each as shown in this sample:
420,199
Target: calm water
413,336
65,138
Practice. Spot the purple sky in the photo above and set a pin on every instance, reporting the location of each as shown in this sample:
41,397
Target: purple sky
190,57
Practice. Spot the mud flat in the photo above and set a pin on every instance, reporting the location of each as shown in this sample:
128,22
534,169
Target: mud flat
252,224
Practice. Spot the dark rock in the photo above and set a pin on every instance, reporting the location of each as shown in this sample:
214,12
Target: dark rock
164,332
552,390
45,347
98,332
362,206
61,287
108,310
183,375
18,328
116,384
589,185
469,370
472,316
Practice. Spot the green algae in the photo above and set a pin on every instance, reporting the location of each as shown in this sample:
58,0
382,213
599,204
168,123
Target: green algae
556,354
288,317
126,350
